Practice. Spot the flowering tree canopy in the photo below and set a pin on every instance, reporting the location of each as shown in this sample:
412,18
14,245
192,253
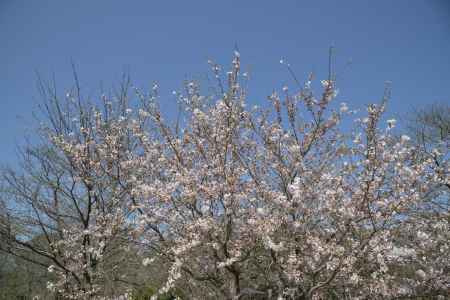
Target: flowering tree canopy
229,202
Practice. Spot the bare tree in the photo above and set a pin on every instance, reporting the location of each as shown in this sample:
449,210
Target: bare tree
430,128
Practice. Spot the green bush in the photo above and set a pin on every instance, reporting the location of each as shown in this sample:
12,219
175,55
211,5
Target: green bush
145,293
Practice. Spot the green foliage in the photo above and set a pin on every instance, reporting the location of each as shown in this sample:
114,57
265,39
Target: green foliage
145,293
20,279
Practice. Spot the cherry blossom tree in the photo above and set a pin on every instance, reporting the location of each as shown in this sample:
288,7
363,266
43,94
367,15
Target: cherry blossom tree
280,201
69,192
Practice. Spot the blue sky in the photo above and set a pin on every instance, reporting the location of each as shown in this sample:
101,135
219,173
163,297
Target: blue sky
406,42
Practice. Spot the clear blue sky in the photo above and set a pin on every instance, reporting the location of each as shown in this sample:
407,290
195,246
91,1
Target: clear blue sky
406,42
